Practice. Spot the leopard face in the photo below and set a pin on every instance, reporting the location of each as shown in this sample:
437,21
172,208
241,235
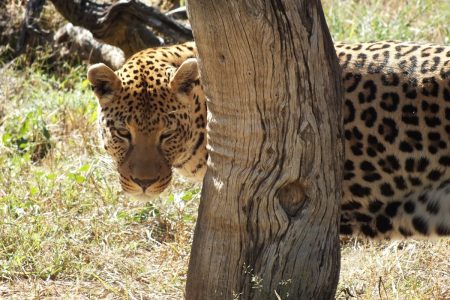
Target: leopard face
397,131
152,118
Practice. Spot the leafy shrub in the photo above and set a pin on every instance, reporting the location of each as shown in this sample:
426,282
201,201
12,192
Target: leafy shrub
27,133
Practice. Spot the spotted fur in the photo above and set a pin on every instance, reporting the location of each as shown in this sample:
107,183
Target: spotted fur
397,129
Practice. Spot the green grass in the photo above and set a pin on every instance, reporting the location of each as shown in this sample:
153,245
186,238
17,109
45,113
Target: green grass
62,215
373,20
67,231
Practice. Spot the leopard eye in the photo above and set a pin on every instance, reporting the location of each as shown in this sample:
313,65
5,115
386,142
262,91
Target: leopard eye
123,133
166,135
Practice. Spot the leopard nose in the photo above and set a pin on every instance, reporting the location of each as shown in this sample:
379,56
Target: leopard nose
144,183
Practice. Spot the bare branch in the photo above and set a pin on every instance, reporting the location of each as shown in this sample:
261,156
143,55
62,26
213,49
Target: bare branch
30,26
124,24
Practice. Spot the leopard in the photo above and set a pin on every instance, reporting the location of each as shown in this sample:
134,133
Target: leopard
396,121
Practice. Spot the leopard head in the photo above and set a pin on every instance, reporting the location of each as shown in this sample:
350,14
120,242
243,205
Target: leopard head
149,120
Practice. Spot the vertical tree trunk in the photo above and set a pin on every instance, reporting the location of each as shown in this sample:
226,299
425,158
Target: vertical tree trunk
268,218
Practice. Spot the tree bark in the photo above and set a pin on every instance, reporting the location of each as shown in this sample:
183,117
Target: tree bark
123,24
74,39
269,212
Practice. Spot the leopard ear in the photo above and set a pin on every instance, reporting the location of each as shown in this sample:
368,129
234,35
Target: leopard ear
104,82
182,82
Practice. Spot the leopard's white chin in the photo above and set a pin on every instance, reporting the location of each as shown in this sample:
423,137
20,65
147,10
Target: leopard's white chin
143,197
148,195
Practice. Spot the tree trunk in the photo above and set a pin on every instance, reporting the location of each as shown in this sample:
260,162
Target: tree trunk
269,211
123,24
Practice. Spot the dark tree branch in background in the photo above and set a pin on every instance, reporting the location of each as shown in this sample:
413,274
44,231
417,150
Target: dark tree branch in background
30,24
124,24
75,39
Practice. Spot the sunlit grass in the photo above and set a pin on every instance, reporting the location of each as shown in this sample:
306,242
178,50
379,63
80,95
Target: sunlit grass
62,215
374,20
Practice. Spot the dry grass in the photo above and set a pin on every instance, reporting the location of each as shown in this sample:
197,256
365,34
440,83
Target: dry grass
395,270
67,232
65,228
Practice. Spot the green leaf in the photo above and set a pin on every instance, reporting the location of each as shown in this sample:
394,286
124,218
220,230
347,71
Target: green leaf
46,132
187,196
51,176
85,84
34,190
77,177
84,168
171,198
6,138
122,215
93,117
